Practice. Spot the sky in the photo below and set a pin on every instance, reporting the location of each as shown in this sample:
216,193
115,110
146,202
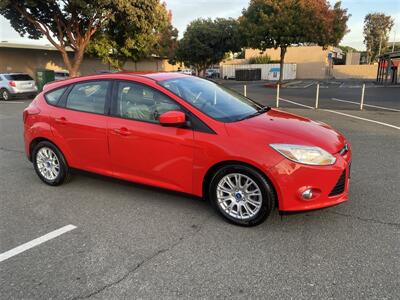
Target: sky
185,11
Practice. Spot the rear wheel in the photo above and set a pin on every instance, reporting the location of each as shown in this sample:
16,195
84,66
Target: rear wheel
4,94
50,164
242,195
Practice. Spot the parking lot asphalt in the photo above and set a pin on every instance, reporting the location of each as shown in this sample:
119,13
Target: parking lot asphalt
132,241
376,99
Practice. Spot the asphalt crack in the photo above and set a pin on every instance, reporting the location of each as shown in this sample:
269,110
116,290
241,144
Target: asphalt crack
197,227
11,150
369,220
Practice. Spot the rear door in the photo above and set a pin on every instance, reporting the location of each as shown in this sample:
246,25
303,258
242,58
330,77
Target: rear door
81,124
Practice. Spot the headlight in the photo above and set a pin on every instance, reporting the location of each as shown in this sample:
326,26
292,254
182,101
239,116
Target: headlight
307,155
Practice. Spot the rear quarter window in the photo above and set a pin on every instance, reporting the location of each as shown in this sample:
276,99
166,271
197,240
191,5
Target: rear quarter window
54,96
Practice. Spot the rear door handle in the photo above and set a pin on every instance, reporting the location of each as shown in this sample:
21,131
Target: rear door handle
122,131
61,120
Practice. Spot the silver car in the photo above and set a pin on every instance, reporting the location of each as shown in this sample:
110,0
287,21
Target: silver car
61,75
16,84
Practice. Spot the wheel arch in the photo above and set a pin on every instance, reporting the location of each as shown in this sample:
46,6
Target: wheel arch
213,169
37,140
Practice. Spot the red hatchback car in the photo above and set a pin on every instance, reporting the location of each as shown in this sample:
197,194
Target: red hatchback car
190,135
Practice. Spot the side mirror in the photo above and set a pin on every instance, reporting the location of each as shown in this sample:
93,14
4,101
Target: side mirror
173,118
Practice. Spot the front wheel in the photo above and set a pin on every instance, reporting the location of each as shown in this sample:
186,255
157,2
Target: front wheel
242,195
50,164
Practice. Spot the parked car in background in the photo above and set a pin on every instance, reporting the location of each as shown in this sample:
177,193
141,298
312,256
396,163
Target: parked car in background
104,71
61,75
17,84
186,71
212,73
190,135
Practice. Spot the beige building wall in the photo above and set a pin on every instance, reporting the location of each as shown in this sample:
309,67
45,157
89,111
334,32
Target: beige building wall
355,71
312,61
29,60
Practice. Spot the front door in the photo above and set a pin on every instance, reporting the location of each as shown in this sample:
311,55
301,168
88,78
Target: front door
140,148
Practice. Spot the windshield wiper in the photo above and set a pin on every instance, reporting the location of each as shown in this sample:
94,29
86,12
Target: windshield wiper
262,110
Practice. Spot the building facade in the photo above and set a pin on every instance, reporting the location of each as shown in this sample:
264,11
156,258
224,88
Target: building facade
30,58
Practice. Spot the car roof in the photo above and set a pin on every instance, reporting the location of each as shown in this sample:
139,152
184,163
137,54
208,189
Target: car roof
14,73
159,76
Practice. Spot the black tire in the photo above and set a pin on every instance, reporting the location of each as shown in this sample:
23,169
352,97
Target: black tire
64,172
4,94
268,196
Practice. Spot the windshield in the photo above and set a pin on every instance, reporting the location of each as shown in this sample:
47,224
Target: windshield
212,99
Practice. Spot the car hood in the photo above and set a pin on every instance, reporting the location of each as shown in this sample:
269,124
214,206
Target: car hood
276,126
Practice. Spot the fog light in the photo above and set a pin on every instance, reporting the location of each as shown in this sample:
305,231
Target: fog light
307,194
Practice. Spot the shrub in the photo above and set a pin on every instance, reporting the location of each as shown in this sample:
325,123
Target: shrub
264,59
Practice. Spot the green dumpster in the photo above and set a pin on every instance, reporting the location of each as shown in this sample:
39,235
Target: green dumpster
43,77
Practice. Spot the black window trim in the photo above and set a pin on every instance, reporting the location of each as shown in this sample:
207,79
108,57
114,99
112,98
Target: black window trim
62,103
66,87
195,123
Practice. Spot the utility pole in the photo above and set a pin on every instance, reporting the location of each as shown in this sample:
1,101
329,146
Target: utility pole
394,40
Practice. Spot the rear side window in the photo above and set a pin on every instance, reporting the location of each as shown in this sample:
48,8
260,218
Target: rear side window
19,77
61,74
53,96
88,96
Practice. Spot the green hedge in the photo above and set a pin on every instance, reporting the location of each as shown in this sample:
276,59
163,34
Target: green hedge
264,59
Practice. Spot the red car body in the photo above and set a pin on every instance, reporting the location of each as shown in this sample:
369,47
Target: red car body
183,159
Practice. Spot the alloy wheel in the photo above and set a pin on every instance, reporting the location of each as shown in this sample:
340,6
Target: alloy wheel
47,163
239,196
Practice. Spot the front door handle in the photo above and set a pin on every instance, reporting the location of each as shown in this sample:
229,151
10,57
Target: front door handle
122,131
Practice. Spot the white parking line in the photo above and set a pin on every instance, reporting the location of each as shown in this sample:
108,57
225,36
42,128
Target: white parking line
295,103
11,102
364,119
369,105
51,235
343,114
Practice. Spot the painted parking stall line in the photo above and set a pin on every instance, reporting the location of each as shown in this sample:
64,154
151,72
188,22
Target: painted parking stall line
11,102
36,242
296,103
344,114
367,105
364,119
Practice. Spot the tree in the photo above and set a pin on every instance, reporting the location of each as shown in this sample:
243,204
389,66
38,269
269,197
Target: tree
132,37
168,40
281,23
72,23
205,42
376,34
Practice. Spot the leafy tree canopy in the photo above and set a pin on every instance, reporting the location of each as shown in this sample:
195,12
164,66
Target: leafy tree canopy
73,23
281,23
376,33
205,42
132,36
347,49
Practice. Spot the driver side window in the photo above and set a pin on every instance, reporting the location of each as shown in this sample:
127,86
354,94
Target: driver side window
139,102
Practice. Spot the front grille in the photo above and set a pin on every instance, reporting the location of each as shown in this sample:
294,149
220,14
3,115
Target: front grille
340,185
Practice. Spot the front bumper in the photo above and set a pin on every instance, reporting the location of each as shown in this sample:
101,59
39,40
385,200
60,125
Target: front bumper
329,183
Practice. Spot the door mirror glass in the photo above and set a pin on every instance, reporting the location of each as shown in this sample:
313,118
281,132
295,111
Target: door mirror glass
173,118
